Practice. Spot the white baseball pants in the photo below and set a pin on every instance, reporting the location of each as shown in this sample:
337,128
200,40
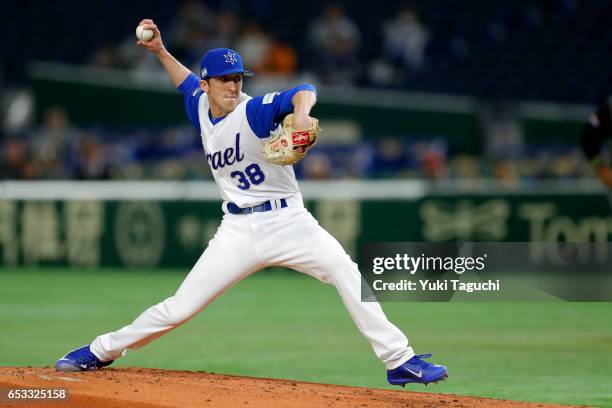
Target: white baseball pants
244,244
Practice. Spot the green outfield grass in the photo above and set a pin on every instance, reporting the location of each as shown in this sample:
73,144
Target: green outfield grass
285,325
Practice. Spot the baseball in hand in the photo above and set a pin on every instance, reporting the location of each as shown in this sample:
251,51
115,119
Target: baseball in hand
144,34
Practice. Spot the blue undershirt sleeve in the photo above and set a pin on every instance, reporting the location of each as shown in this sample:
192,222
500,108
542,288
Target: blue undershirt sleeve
191,91
264,113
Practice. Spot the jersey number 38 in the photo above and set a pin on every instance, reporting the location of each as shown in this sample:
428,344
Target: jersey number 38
252,175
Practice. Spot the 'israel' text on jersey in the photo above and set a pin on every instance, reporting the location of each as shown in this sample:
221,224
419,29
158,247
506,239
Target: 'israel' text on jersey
228,157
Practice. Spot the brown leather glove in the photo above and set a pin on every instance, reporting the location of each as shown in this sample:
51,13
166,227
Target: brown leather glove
287,146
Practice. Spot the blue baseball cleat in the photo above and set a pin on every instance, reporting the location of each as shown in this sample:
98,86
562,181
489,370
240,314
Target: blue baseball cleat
416,370
81,359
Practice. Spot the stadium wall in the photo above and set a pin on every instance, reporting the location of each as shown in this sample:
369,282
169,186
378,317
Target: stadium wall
167,224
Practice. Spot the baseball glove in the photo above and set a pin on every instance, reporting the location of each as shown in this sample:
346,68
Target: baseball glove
283,147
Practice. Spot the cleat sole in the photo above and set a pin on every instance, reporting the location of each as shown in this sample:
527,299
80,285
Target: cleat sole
412,381
444,377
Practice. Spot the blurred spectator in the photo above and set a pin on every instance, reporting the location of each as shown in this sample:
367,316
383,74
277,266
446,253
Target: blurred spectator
108,56
281,58
136,59
13,158
567,165
506,173
390,157
264,53
501,128
431,156
50,144
317,166
254,46
91,161
403,50
190,31
466,167
227,32
334,40
405,39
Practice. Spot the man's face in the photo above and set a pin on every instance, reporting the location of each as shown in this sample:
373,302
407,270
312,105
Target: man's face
223,93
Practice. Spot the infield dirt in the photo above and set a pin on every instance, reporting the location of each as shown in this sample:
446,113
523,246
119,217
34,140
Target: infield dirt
148,388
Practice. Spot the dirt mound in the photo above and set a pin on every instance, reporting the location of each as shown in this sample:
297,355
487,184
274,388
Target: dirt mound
148,388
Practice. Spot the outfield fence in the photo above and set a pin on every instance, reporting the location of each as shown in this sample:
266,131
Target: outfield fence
168,224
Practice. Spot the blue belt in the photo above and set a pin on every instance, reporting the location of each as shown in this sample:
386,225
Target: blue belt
267,206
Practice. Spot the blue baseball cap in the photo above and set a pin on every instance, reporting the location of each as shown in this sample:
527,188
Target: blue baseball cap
222,61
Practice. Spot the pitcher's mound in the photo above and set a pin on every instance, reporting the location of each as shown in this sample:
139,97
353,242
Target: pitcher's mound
148,388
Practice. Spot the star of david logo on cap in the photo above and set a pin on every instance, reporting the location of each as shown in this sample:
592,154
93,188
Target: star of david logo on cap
230,57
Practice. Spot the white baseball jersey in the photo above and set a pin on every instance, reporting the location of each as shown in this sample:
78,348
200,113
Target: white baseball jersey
234,145
235,156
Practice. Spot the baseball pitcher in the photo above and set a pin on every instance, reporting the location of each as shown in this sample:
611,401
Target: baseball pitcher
250,144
